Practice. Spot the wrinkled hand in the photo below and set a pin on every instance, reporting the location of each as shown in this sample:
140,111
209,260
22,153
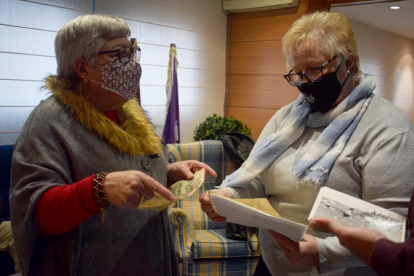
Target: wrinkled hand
208,208
184,170
358,240
125,189
304,254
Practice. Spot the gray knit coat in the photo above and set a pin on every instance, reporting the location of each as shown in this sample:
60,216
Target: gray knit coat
55,149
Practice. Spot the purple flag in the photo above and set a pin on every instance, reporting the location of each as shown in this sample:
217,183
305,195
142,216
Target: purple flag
171,133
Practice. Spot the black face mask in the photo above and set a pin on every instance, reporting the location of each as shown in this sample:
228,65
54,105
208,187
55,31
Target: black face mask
321,95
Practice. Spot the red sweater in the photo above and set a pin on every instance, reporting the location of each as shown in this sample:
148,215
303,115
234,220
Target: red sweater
62,208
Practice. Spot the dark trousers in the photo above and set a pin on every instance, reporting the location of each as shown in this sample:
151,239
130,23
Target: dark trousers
261,268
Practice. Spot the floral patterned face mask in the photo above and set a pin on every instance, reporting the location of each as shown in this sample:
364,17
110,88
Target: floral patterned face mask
122,79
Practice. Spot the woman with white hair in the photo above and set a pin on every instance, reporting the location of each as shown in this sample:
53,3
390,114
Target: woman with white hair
338,134
85,159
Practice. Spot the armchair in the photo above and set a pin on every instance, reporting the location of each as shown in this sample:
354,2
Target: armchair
201,244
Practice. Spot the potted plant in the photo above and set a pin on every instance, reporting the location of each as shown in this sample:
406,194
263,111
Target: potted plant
215,125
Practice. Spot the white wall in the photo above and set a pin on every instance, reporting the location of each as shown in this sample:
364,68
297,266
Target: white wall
390,59
198,27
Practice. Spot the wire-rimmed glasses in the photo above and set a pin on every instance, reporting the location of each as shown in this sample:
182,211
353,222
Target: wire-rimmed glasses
312,75
125,53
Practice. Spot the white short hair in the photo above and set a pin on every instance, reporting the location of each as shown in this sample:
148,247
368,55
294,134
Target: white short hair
328,32
83,37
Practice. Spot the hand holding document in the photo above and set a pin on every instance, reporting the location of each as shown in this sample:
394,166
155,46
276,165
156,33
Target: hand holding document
346,209
352,211
181,189
256,212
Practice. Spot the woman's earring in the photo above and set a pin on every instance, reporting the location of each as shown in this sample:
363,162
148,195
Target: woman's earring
349,71
85,80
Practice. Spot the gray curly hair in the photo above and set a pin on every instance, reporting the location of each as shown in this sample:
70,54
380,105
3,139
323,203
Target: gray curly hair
83,37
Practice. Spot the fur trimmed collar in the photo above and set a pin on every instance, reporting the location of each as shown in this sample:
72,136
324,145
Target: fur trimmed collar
135,134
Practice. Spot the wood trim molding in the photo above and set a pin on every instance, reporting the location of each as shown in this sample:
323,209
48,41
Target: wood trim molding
263,25
354,2
325,5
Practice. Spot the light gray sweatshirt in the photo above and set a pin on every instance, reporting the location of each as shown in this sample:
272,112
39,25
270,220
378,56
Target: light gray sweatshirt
376,165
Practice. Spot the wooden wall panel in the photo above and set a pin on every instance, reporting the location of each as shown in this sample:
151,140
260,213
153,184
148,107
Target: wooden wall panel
255,87
263,25
259,91
317,5
255,118
262,57
393,73
356,2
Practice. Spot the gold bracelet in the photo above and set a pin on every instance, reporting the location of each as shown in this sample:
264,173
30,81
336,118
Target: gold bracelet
99,193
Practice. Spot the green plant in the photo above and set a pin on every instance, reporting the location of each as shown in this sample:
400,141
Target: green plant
216,125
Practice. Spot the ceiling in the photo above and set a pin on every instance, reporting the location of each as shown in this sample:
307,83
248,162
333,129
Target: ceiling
379,15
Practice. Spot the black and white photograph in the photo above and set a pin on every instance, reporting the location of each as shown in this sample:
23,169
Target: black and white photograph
352,211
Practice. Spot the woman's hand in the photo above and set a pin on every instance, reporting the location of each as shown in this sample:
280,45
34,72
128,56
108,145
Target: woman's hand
304,254
208,208
185,170
358,240
126,189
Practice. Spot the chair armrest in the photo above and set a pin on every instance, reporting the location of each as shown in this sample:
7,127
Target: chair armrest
183,234
173,155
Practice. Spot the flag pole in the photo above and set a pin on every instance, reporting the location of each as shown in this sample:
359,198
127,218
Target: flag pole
171,133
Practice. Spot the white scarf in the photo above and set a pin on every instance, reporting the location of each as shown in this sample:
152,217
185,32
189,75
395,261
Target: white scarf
315,164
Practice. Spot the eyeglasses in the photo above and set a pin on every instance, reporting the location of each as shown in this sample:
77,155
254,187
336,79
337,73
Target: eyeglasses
312,75
125,53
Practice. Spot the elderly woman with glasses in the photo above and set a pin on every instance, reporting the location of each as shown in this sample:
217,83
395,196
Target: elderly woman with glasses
86,158
338,134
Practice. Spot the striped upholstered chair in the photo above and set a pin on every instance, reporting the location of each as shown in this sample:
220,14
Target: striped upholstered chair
201,244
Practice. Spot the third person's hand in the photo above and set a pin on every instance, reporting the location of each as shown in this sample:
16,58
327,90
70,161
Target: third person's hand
358,240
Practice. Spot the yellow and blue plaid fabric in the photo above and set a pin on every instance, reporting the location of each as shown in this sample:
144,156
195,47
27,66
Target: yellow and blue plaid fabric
183,234
214,244
213,154
173,154
228,267
201,244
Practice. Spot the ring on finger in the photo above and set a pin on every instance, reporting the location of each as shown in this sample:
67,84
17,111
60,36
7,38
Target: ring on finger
286,253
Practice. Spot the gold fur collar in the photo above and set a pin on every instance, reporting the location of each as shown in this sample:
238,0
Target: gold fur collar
135,134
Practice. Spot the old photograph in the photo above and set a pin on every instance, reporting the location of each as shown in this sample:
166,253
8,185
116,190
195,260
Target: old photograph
355,212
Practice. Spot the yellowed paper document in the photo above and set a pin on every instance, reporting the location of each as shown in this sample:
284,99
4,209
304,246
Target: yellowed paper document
261,204
256,212
181,189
